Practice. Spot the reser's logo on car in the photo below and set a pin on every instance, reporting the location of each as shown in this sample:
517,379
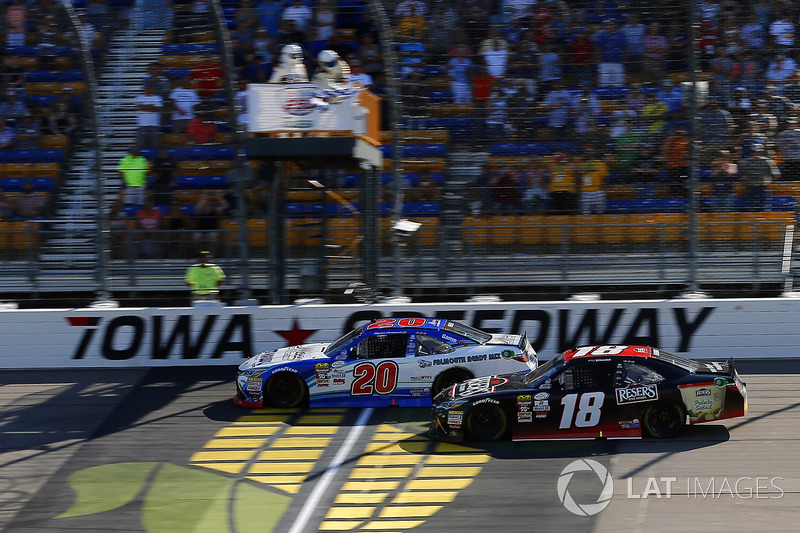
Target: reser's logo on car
480,385
642,393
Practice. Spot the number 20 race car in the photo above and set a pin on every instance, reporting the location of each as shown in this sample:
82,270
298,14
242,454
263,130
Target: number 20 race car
590,392
389,361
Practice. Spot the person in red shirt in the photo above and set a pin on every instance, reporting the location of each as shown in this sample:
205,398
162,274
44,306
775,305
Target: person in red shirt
201,130
581,54
208,79
148,219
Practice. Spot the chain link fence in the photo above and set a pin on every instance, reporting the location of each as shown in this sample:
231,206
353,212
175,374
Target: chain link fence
540,150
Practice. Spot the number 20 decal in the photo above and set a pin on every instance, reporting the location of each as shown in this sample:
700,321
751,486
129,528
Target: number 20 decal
369,379
414,322
588,414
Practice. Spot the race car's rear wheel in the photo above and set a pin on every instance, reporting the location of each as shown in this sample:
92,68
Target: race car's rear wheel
487,422
286,389
448,378
664,420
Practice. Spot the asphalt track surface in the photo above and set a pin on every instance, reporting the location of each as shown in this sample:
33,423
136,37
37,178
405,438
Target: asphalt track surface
166,451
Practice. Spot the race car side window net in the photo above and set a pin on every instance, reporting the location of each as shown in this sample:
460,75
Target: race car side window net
427,345
382,347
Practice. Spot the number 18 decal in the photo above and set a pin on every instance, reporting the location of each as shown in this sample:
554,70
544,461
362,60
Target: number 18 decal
369,378
588,414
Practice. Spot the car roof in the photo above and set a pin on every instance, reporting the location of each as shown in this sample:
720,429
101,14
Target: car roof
609,350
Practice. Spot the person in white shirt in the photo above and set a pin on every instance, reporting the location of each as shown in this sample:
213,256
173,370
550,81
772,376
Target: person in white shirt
411,8
148,116
300,14
184,100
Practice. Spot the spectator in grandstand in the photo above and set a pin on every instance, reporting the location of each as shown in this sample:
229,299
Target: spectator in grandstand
201,130
497,119
204,278
46,43
16,17
628,146
324,20
678,55
655,113
13,108
724,176
752,34
13,74
263,44
240,101
586,110
506,193
611,50
787,144
714,127
339,45
269,15
62,121
495,50
518,9
600,11
208,213
634,32
177,226
8,133
30,203
675,156
708,43
534,183
780,69
118,226
549,69
461,69
758,172
410,8
260,70
247,22
782,32
149,224
751,71
725,67
367,25
357,72
207,77
300,14
646,167
594,173
425,190
183,101
156,79
370,54
558,105
163,170
656,49
740,107
581,56
133,169
563,187
28,133
443,22
148,117
777,105
416,101
6,207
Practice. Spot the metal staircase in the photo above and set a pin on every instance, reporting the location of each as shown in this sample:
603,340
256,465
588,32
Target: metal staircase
72,242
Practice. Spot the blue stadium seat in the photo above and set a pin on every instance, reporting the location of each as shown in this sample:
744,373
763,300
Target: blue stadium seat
422,208
11,184
187,182
783,203
44,184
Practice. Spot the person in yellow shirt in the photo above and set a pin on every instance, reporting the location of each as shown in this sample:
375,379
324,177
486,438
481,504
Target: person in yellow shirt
563,185
593,179
133,168
204,278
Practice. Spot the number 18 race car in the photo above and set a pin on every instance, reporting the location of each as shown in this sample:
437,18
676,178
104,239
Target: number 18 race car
590,392
389,361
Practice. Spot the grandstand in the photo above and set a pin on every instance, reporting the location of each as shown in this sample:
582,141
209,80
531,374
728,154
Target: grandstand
546,148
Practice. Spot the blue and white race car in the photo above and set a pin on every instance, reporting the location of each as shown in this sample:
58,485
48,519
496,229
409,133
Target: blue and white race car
389,361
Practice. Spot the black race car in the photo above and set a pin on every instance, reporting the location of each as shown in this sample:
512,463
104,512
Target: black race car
589,392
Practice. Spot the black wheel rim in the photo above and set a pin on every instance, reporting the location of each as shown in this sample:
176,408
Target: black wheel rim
286,391
486,424
663,420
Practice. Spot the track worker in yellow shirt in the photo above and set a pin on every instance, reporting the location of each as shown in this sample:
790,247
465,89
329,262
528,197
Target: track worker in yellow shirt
204,278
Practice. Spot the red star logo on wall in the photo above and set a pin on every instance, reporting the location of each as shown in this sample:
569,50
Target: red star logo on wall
296,335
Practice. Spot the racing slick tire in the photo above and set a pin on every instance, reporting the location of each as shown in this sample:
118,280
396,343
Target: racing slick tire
487,422
448,378
664,420
285,390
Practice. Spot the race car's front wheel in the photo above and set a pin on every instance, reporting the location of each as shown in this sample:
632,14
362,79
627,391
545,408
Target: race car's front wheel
286,389
487,422
449,378
664,420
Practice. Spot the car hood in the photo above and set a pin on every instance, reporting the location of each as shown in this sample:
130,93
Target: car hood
484,386
302,352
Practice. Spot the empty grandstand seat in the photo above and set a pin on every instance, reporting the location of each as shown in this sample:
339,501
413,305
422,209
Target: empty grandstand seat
422,208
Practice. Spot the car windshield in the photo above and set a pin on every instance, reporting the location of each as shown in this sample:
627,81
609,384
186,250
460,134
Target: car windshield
337,345
544,370
677,360
468,331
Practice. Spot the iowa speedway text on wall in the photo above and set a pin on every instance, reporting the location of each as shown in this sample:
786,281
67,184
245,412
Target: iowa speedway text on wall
184,337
